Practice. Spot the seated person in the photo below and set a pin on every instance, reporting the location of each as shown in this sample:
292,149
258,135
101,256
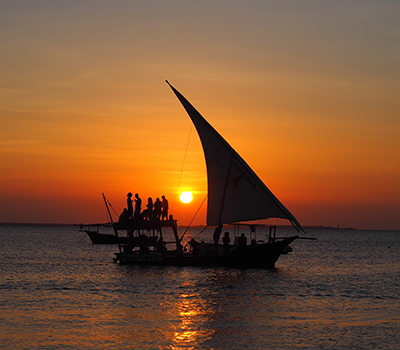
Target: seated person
160,245
202,249
242,241
124,216
194,246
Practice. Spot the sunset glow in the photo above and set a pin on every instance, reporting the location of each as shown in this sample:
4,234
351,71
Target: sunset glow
307,94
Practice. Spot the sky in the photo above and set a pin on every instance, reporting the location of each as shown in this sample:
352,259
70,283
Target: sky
307,92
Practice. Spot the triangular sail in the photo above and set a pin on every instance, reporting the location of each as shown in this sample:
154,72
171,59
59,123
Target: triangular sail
235,192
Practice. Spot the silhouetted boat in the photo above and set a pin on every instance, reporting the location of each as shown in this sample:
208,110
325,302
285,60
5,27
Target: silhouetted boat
235,194
98,237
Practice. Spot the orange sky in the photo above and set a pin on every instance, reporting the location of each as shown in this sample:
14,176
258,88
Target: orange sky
307,94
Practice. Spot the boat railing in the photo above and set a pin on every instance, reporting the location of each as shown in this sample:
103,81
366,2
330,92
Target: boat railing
146,233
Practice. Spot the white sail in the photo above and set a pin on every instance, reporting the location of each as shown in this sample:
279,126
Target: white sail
235,192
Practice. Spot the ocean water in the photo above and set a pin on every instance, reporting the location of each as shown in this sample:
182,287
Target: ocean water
58,291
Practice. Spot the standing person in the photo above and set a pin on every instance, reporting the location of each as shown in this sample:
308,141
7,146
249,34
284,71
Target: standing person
157,208
164,208
226,240
138,206
129,204
216,235
149,211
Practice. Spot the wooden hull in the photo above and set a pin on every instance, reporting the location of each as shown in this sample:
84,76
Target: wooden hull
250,256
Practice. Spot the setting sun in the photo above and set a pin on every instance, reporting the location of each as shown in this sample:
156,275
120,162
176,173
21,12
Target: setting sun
186,197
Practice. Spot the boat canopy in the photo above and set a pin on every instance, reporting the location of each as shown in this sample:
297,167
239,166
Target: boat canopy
235,192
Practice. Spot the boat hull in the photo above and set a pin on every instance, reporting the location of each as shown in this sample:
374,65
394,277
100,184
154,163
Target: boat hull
250,256
104,238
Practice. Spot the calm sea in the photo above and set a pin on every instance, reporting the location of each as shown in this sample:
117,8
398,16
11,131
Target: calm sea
58,291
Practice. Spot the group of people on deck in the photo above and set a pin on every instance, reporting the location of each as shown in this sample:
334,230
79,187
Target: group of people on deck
200,248
158,209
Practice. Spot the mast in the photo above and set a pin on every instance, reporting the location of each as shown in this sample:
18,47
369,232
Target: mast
108,209
112,222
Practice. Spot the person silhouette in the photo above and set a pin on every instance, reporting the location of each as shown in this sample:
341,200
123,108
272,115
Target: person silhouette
242,241
138,206
216,235
202,248
157,208
149,211
164,208
194,246
124,216
226,240
129,205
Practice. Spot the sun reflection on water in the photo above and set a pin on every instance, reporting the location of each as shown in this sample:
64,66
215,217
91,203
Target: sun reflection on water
192,329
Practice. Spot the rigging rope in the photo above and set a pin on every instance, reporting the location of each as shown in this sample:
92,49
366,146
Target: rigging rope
107,215
112,207
184,233
108,202
200,232
183,163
